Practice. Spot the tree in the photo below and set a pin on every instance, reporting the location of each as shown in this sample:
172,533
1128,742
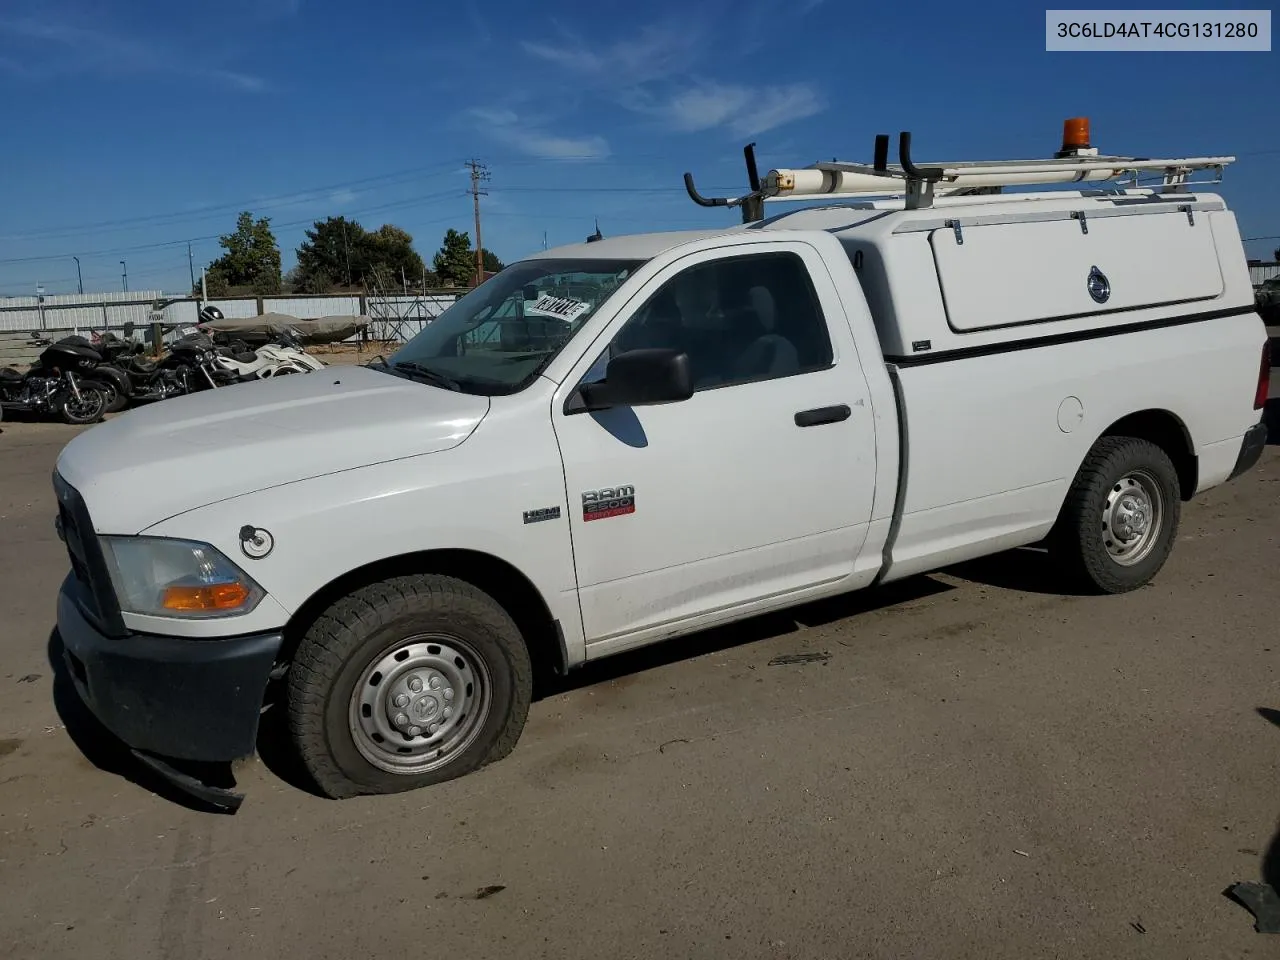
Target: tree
1276,254
341,252
333,253
391,255
455,262
251,263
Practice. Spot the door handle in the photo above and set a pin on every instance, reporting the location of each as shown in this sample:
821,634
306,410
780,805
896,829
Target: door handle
821,415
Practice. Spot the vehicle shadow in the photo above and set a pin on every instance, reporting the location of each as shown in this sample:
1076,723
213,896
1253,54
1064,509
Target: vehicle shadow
274,747
106,752
764,627
1262,899
276,754
1271,859
1025,569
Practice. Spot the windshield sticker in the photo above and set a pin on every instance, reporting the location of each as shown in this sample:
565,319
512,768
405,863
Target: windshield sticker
564,308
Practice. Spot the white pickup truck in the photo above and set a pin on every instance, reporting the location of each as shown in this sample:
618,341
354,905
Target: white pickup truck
619,442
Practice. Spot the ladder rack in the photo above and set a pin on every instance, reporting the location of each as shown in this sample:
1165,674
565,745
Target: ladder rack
918,185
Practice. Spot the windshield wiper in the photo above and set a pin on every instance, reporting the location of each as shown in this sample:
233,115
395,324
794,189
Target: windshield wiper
427,374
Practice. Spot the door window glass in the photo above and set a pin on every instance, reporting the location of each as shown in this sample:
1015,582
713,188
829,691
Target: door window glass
740,319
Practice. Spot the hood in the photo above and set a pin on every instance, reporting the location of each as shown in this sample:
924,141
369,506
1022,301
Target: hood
154,462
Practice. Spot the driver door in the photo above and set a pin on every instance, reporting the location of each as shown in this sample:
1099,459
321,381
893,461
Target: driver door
757,487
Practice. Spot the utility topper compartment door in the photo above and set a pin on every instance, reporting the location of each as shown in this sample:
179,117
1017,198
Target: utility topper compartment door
1034,272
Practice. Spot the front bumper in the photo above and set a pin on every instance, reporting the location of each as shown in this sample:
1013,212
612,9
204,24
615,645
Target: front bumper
1255,439
177,697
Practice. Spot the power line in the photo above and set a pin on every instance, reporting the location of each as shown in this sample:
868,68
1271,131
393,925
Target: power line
109,251
210,210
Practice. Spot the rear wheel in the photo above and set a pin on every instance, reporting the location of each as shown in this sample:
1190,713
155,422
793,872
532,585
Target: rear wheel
406,683
116,401
1120,518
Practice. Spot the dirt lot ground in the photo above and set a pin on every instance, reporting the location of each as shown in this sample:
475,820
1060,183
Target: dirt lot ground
983,768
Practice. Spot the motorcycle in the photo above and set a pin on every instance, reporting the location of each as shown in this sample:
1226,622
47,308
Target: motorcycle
286,355
213,362
58,384
113,380
139,377
192,361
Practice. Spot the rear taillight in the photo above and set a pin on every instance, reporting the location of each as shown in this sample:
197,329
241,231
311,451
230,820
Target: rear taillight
1264,378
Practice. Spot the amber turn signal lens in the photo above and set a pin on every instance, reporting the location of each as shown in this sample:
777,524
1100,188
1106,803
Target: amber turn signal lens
1075,133
220,596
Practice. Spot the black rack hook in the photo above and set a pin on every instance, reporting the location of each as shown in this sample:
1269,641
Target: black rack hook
881,161
698,198
927,174
753,174
752,204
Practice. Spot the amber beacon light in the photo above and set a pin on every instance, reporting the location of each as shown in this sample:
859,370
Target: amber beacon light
1075,134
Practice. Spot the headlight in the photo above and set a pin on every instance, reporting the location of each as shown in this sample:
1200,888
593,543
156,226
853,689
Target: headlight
160,577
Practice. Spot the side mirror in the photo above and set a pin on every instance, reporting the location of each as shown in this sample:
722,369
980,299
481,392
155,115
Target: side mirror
640,378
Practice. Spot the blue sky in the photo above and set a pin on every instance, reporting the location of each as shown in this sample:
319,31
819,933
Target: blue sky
131,129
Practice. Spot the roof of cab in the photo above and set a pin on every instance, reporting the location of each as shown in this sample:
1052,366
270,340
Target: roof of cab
636,246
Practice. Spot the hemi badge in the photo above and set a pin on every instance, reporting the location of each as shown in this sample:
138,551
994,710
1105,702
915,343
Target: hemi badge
542,513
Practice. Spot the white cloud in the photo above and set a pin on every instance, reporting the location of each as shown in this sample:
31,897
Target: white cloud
706,107
653,72
61,48
650,53
564,148
531,136
774,106
495,117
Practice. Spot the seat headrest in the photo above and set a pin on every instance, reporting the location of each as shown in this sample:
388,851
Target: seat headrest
765,308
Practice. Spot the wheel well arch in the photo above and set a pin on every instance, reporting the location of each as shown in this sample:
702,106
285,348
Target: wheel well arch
1167,431
510,587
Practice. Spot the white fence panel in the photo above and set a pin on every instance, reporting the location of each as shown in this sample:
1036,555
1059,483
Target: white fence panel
309,308
1260,273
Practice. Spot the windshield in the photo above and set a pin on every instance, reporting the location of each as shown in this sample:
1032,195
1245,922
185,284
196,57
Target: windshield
501,335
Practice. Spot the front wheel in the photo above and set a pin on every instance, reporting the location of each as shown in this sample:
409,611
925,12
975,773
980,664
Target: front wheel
406,683
89,407
1120,519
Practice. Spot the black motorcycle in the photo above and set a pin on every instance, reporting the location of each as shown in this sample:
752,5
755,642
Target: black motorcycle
192,360
114,381
137,376
58,384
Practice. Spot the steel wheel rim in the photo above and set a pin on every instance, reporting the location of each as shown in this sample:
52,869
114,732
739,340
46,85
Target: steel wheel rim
1132,518
420,703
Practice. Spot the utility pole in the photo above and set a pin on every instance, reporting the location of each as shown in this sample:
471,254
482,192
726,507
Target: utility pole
124,274
79,278
191,265
479,173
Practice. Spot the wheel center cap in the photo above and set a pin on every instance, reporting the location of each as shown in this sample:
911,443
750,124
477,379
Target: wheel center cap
424,708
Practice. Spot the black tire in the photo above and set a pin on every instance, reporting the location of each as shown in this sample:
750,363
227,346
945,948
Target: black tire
360,631
1084,536
78,413
116,401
